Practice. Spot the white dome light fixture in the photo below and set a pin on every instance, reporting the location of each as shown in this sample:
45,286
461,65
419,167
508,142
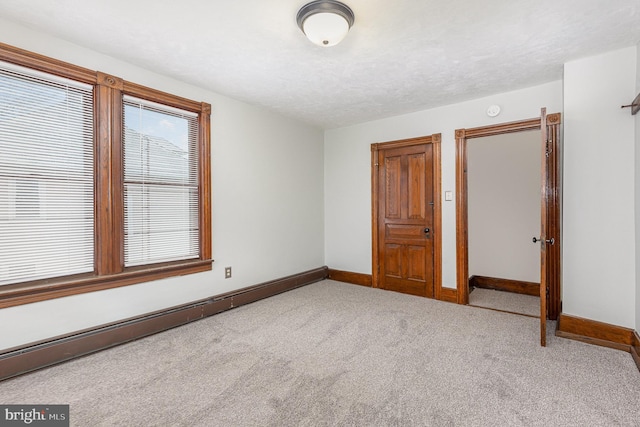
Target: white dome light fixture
325,22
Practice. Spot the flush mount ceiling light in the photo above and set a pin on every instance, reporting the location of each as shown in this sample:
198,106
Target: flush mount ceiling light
325,22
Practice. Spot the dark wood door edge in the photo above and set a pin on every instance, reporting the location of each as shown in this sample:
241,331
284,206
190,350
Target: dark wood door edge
635,349
41,354
350,277
506,285
594,332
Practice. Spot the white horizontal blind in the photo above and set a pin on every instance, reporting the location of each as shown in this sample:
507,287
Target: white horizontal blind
46,176
160,183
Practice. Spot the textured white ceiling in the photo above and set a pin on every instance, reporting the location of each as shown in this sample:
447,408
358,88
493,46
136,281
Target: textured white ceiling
400,56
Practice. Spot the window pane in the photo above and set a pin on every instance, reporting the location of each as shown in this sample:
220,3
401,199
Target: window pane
46,176
160,183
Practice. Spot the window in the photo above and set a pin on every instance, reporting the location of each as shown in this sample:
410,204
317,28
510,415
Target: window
103,182
160,183
46,176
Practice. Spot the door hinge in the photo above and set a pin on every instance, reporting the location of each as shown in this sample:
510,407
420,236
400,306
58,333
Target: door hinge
548,149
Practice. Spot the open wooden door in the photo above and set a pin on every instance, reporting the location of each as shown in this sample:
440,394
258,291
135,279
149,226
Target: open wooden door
550,223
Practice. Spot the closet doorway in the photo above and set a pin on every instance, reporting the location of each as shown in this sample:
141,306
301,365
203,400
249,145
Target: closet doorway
494,251
503,199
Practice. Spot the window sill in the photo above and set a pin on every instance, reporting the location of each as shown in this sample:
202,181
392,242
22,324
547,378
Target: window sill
41,290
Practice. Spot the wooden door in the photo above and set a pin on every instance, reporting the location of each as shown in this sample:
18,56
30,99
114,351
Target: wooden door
406,219
550,223
543,232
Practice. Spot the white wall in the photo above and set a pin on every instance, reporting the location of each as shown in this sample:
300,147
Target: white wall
348,169
267,185
503,174
599,226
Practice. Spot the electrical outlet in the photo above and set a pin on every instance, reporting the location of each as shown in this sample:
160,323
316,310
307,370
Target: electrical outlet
227,272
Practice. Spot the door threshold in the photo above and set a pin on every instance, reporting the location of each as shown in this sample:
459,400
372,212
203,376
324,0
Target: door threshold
504,311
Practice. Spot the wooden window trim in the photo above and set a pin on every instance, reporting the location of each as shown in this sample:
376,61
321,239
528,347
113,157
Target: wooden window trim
109,269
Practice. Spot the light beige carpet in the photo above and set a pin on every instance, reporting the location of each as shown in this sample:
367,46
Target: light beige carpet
333,354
